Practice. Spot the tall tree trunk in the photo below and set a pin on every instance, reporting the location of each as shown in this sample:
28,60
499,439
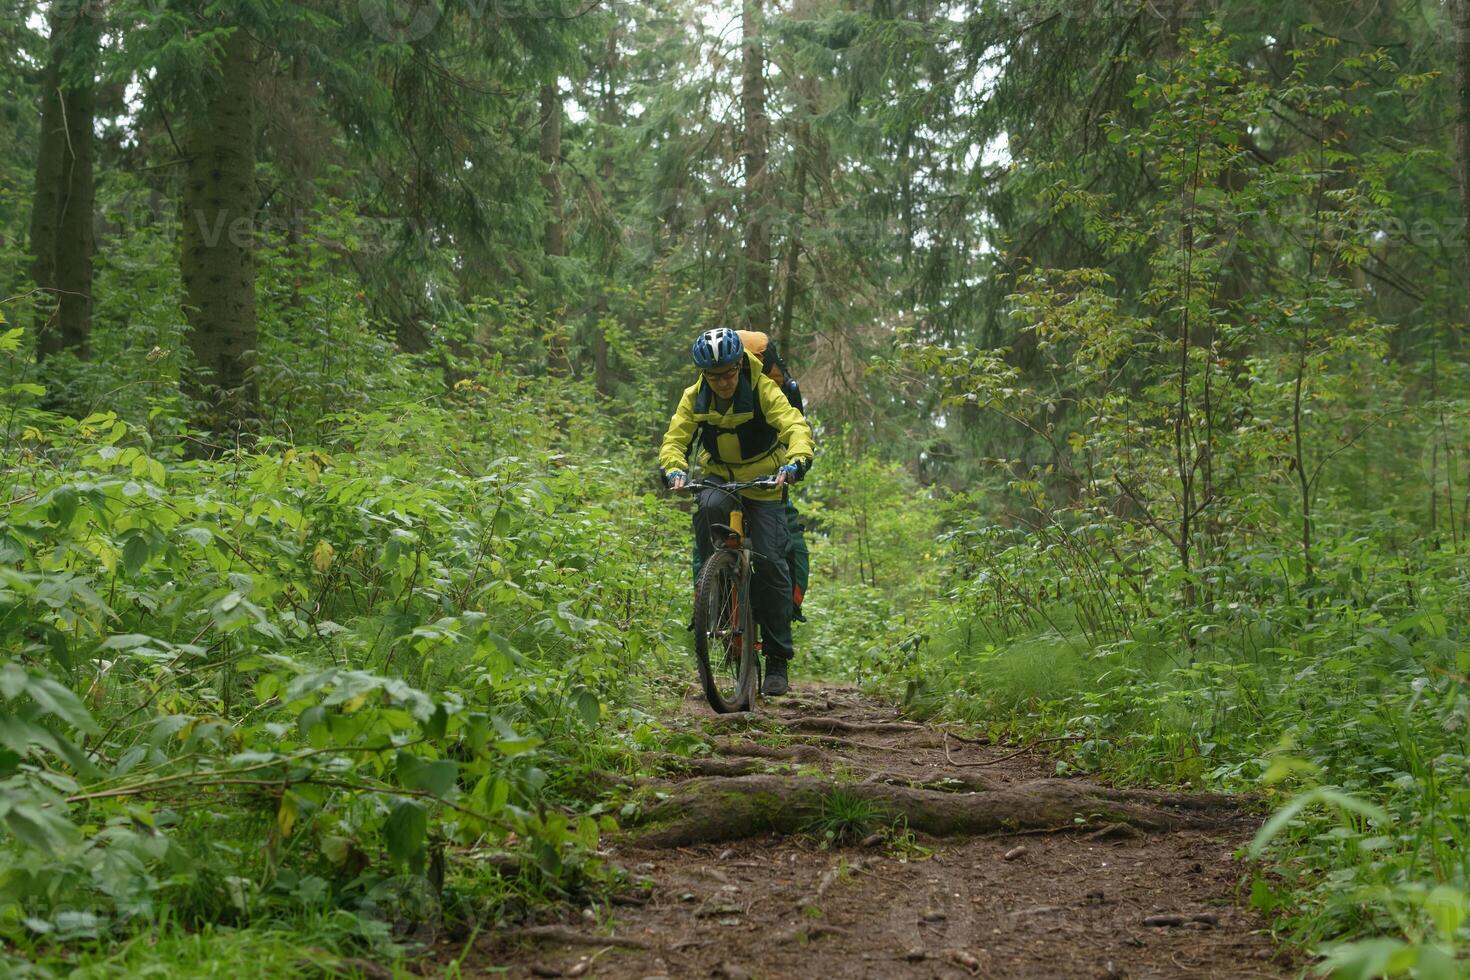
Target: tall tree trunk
554,234
608,98
62,212
757,251
791,261
1460,10
45,206
554,239
218,259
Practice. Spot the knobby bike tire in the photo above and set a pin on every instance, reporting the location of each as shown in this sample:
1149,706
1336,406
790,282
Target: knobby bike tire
724,634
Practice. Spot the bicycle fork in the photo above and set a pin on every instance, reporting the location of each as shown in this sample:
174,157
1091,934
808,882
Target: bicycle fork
743,632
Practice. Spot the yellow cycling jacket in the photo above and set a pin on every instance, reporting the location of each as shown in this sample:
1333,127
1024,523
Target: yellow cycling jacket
759,433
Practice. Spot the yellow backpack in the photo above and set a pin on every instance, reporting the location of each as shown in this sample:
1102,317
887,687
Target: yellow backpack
772,366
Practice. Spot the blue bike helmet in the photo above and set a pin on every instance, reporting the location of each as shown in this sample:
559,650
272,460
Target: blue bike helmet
717,348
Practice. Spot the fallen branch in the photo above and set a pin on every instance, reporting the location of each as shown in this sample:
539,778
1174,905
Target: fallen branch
1010,755
982,740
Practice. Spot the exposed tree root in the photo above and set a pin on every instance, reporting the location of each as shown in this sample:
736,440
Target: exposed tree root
824,705
740,721
709,810
613,780
837,741
957,782
832,725
796,753
702,766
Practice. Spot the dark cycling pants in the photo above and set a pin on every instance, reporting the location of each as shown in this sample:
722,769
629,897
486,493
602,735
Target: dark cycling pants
798,559
765,526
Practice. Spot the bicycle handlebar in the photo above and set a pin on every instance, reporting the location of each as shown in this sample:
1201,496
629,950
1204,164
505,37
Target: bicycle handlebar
708,484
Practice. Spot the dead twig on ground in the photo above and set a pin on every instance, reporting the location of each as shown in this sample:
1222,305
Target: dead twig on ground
830,724
563,934
1005,758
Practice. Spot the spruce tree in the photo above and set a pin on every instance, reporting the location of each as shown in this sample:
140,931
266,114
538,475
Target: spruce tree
62,210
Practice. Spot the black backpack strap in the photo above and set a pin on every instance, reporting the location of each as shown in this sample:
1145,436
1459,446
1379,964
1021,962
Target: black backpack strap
789,387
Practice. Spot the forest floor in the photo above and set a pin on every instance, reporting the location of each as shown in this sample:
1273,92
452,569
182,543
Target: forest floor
1043,895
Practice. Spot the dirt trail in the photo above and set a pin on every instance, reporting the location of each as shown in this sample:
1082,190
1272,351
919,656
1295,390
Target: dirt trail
1068,898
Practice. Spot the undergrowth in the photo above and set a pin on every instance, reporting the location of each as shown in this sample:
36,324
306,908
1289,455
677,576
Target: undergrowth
1353,720
319,700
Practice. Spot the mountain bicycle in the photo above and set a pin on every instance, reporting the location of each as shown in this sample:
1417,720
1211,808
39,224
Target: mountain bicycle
725,643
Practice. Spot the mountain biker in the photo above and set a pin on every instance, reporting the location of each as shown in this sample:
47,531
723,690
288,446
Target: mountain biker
746,430
798,558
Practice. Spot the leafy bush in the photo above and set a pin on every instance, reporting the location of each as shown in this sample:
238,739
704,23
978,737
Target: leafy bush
304,681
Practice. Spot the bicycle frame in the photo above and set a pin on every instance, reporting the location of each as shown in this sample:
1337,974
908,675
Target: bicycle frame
736,527
739,629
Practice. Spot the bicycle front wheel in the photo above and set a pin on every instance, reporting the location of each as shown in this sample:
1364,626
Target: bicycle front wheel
724,634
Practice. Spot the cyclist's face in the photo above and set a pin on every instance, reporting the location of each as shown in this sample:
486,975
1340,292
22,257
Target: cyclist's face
724,381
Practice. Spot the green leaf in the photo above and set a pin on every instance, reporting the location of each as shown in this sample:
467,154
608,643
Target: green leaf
437,723
1369,958
497,796
63,507
60,650
38,828
126,641
336,848
1435,963
1447,906
135,553
313,724
201,536
12,549
405,832
517,746
13,681
589,708
61,702
570,622
504,646
1322,794
436,776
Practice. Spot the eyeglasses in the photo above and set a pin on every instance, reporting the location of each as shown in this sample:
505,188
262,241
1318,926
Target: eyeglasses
730,374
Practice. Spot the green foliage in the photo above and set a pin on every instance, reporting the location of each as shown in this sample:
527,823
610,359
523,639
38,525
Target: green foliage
1170,462
310,681
1224,549
870,532
845,819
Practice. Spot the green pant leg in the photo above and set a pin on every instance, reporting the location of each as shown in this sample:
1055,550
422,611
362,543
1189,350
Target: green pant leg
797,556
701,554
